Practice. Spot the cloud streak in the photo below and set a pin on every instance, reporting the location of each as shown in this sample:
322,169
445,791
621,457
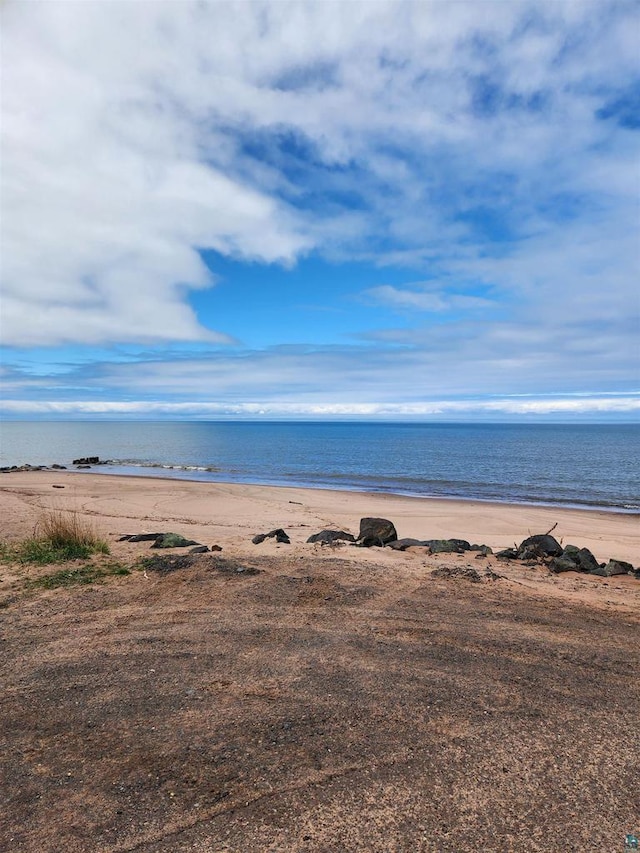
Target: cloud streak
507,406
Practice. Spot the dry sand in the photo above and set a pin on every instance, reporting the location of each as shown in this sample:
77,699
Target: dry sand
334,699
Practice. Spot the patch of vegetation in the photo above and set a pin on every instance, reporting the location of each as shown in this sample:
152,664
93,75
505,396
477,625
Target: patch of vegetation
57,538
77,576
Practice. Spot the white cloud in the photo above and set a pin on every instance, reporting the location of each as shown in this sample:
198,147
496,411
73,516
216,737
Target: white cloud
125,130
106,195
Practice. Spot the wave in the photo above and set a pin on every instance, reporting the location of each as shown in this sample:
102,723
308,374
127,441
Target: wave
136,463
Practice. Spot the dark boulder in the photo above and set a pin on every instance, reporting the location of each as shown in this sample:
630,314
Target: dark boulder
582,557
87,460
278,534
172,540
140,537
59,467
507,554
199,549
484,549
563,563
586,560
541,545
448,546
376,531
613,567
328,537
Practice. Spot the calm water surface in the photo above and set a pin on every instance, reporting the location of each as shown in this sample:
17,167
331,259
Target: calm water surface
572,465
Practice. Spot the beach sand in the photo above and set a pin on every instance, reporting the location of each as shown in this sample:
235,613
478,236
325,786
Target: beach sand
322,699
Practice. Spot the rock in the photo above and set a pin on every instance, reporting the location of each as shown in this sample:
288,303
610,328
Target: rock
582,557
278,534
216,547
613,567
541,545
14,469
172,540
328,537
199,549
54,486
83,466
563,564
140,537
376,531
507,554
448,546
87,460
485,550
403,544
59,467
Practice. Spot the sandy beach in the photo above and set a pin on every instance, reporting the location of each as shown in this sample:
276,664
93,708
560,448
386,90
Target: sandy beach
230,514
296,697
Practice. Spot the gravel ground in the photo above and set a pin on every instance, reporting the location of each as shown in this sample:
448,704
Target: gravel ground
316,705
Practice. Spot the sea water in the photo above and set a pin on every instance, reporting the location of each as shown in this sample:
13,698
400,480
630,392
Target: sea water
595,465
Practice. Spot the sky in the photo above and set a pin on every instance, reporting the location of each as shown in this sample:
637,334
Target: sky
340,209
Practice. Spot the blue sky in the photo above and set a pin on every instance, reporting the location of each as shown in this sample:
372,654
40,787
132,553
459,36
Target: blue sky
335,209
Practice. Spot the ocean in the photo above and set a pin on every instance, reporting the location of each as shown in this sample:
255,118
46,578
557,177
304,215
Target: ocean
590,466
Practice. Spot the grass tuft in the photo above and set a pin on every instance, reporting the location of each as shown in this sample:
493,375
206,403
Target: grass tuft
57,538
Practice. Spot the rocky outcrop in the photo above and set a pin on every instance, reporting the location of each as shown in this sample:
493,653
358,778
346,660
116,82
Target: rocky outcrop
19,469
329,537
376,532
87,460
545,549
574,559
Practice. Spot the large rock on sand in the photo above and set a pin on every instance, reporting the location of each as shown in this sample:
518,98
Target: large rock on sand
448,546
328,537
541,545
376,531
613,567
172,540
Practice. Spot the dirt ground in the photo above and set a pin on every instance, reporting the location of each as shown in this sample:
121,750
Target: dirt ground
327,702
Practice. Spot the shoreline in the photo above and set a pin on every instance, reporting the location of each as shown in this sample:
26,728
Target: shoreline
233,512
301,484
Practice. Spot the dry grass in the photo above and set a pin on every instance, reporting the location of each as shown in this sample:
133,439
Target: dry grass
57,537
63,529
